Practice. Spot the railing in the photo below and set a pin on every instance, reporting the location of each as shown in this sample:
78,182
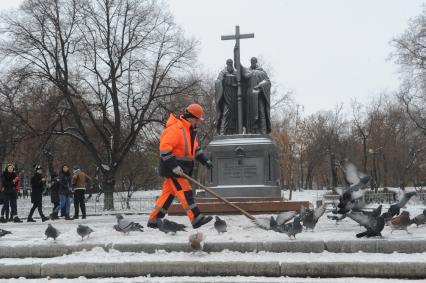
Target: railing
93,206
380,197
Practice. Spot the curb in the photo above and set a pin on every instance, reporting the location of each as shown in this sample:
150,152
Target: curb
408,270
367,246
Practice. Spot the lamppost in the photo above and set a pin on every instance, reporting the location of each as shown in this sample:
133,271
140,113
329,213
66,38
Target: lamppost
374,153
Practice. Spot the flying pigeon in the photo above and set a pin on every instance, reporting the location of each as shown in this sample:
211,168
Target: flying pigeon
4,232
400,222
352,197
220,225
337,218
286,216
51,232
395,208
83,231
419,219
168,226
291,229
375,212
195,241
310,217
125,226
373,224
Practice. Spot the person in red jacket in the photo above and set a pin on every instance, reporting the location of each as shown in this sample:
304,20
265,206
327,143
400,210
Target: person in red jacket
178,149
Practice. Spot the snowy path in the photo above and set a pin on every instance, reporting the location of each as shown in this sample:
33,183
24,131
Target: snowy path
240,229
238,279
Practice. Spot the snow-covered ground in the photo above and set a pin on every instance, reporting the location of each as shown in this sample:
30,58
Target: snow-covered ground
240,229
239,279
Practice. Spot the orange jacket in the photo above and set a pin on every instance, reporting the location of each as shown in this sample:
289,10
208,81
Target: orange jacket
179,147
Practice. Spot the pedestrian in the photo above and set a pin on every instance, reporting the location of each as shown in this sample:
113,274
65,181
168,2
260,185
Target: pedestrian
9,181
79,181
178,149
65,191
54,195
2,219
38,183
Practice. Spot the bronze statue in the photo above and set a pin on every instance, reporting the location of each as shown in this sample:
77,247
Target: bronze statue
256,99
226,100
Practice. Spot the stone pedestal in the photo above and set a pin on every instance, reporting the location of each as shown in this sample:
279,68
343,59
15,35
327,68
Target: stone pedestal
244,166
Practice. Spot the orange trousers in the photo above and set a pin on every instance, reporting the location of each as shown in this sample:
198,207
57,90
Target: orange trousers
180,188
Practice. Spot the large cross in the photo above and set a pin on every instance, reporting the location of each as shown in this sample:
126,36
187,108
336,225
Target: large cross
237,36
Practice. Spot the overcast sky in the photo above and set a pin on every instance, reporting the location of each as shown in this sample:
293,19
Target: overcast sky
326,52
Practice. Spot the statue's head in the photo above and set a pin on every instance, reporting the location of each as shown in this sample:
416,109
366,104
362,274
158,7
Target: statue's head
253,62
230,65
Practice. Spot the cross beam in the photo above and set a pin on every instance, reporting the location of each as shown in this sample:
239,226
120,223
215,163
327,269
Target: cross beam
237,36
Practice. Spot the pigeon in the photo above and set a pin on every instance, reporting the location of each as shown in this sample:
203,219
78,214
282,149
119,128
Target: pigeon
337,218
168,226
373,224
400,222
83,231
51,232
273,225
220,225
418,220
375,212
310,217
352,197
291,229
195,241
125,226
286,216
395,208
4,232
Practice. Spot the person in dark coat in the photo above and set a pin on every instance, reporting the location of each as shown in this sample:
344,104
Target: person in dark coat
10,194
65,192
38,182
54,194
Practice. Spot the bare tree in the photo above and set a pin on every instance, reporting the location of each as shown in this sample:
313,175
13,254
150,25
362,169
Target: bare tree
114,63
410,54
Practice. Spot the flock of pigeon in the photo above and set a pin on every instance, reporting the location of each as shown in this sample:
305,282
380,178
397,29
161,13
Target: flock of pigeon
125,226
351,204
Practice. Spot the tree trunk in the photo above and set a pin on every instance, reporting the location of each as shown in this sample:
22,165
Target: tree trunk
333,170
364,150
385,171
108,184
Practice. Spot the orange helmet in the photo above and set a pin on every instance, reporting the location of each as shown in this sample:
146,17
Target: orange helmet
196,110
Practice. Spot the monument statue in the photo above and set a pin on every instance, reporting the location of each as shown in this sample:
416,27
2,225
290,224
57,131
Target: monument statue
244,155
226,100
256,99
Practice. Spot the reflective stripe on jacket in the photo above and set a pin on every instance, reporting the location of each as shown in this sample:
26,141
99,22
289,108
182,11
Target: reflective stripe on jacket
179,147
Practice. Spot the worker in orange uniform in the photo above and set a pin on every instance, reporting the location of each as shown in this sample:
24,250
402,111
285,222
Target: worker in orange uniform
178,149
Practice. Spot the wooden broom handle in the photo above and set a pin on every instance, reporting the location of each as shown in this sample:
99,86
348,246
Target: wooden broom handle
248,215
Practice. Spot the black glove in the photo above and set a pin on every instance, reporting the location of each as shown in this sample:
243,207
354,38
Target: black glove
209,164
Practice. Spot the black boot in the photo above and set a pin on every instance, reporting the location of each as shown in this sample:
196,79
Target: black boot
17,220
54,216
67,217
44,218
3,220
75,217
30,219
204,220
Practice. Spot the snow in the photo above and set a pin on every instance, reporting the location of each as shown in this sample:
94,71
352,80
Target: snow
99,255
240,229
239,279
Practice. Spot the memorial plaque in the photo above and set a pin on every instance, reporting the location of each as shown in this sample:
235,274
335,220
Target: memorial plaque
241,171
244,166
